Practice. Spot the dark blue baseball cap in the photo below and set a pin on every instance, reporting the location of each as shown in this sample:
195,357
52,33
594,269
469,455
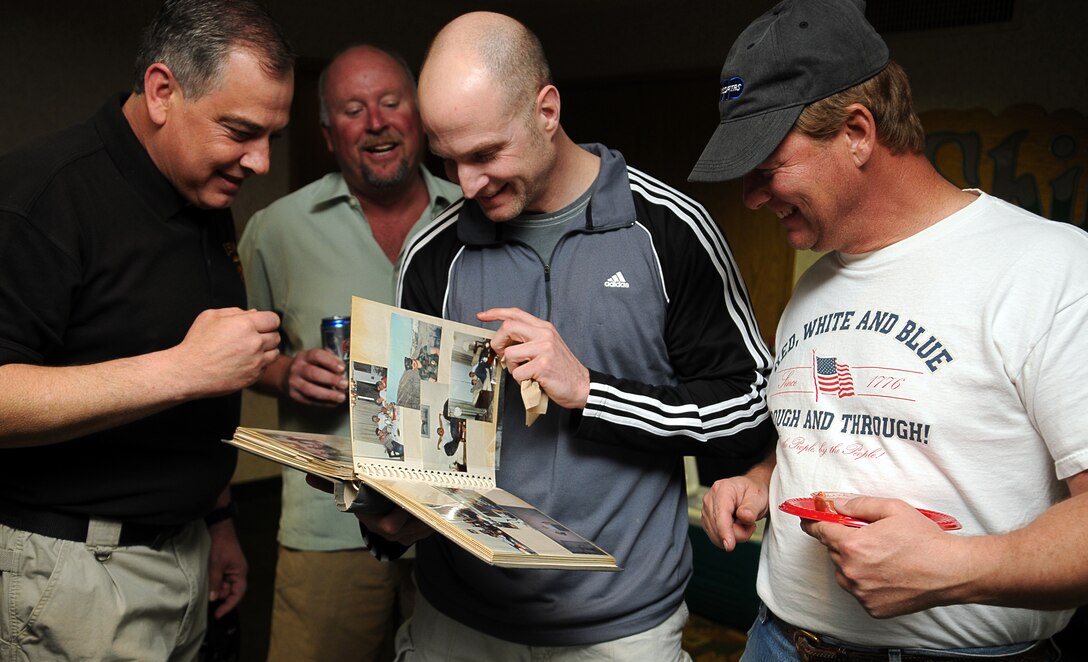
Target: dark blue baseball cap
797,53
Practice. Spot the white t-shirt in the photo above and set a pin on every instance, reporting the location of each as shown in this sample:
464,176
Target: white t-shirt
946,370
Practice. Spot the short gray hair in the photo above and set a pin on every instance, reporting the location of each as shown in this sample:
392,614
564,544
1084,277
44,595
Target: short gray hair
194,38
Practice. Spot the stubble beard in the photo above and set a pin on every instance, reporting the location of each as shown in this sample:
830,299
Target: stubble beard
399,176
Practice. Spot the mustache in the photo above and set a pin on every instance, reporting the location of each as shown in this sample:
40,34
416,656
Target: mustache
383,138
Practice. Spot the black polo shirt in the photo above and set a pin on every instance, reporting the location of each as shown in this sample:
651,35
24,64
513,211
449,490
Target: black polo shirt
100,258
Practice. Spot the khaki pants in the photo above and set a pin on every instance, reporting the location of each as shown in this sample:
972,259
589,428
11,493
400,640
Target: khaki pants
431,636
64,600
342,606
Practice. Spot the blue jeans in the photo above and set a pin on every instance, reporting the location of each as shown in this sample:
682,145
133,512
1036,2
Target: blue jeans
767,643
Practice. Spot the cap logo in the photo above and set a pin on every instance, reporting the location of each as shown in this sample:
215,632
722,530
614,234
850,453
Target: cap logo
731,89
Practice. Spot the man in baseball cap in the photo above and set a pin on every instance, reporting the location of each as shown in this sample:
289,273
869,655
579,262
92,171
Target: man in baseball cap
923,363
797,53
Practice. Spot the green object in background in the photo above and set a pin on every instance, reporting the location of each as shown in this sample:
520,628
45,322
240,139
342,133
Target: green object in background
723,585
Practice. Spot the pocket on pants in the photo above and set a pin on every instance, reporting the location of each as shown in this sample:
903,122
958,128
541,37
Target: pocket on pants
11,653
26,590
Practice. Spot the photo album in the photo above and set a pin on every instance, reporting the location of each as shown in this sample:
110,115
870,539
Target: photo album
426,403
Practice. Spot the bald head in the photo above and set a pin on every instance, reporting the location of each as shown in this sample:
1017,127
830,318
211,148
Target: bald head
492,115
370,121
360,57
490,49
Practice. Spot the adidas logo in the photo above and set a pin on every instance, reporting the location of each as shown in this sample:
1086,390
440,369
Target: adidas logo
617,280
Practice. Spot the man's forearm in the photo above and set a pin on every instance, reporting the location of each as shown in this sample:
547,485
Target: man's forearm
46,405
1040,566
223,351
761,471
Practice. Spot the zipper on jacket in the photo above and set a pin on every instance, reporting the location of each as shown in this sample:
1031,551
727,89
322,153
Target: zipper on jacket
548,291
547,273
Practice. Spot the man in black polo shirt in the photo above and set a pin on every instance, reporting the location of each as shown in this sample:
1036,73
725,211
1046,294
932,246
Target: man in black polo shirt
124,341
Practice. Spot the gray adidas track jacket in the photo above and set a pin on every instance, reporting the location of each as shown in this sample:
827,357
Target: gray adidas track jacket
647,296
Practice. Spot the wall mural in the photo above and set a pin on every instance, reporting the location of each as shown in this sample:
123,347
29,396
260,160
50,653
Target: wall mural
1032,158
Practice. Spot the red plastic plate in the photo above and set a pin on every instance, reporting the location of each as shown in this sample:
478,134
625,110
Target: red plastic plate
805,508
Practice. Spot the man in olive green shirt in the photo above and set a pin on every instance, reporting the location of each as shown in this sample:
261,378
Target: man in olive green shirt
305,256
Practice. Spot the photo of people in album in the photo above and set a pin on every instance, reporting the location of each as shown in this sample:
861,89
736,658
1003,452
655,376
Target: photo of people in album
518,527
423,396
326,448
425,399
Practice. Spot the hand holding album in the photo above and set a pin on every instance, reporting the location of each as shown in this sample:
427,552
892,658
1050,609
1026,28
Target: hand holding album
426,438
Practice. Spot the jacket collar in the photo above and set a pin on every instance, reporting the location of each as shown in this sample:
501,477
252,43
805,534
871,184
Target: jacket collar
610,205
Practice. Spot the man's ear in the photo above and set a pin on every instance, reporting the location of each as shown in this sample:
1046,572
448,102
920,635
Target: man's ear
859,130
326,132
161,90
547,108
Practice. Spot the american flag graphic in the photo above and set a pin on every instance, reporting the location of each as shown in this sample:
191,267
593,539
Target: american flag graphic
833,377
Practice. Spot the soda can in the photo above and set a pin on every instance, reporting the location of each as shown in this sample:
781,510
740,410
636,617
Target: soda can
336,337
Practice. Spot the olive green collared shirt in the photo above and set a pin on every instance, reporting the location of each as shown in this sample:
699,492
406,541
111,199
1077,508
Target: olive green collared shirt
305,256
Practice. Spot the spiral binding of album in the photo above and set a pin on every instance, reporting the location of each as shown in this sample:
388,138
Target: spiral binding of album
430,476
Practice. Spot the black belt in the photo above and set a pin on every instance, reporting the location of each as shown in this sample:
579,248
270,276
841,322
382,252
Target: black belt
74,527
812,647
